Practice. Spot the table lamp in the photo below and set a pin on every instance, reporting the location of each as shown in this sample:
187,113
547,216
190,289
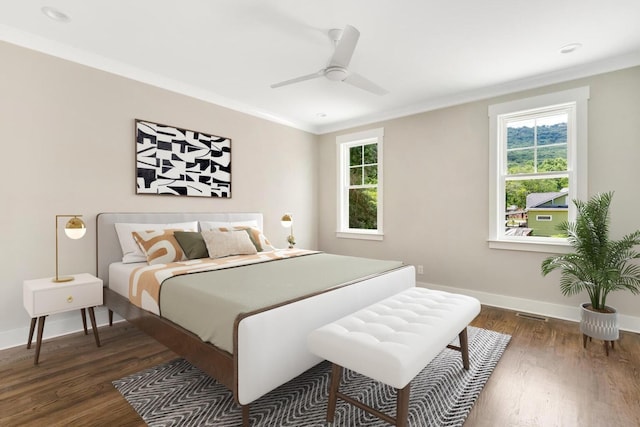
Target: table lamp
74,229
287,222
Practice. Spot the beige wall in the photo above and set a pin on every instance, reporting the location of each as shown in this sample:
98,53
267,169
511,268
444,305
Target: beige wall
66,133
67,137
436,192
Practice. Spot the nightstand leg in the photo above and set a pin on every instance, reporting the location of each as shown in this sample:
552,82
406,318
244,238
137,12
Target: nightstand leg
39,341
84,320
31,329
92,316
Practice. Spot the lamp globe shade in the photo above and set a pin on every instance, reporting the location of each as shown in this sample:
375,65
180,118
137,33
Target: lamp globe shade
75,228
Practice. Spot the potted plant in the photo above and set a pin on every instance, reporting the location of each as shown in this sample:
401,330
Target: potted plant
598,265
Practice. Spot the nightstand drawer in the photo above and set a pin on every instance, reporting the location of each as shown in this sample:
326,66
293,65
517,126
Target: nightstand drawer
42,298
59,300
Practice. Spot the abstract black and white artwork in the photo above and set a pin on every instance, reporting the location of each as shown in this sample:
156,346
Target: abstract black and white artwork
181,162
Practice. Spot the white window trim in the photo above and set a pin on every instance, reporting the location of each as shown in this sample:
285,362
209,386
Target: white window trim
576,164
343,231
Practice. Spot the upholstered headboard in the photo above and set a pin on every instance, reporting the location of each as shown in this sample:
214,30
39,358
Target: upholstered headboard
108,246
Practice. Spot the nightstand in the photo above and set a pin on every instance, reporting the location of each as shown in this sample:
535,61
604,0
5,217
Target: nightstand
43,297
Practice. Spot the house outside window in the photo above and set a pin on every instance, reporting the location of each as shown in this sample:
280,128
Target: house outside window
537,167
360,185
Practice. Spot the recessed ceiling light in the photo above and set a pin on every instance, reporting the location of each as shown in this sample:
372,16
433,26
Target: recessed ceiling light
570,48
321,115
55,14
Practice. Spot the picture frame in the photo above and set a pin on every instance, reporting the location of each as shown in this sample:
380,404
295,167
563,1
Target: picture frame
181,162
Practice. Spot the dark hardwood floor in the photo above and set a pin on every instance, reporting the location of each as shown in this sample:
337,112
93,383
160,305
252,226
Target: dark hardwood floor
545,378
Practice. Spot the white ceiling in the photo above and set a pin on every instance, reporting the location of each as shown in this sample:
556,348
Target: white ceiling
426,53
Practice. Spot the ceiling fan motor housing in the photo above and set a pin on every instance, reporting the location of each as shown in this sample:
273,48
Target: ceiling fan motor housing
336,73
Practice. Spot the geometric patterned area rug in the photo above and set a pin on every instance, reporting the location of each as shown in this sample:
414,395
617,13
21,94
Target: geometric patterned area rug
179,394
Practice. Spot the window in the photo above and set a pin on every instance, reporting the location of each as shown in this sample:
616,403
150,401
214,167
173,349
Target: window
360,185
537,167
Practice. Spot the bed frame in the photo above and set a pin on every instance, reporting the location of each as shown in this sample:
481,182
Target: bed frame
264,357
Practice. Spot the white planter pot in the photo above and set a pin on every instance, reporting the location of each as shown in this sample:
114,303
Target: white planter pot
601,326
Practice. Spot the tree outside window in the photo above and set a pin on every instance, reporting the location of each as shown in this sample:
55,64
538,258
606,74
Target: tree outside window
360,178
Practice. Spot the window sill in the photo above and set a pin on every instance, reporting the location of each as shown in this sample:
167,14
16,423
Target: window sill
518,245
361,236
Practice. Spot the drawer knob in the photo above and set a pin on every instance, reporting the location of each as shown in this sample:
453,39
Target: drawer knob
69,299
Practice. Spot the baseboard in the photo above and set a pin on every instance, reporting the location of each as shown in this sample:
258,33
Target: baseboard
71,322
558,311
55,326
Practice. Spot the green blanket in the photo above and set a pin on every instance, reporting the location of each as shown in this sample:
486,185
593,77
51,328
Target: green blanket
207,303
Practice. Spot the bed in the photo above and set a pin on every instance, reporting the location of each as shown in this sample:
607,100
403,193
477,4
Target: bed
269,344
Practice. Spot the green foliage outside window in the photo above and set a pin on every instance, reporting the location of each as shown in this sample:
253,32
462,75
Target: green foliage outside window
363,173
363,208
523,136
516,191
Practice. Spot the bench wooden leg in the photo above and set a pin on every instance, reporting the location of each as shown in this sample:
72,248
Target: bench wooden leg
245,415
334,385
464,348
402,406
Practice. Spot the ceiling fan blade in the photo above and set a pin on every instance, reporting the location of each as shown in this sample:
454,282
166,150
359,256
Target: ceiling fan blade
298,79
345,47
358,81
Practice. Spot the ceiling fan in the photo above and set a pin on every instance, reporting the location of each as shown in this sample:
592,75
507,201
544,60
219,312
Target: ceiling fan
337,70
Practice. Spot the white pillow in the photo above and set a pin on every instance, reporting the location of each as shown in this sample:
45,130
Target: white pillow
214,225
131,252
226,243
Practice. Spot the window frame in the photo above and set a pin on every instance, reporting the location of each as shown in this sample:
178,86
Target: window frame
577,100
343,144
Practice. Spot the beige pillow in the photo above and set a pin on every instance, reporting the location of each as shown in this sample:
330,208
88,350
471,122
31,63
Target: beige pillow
257,238
226,243
159,246
215,225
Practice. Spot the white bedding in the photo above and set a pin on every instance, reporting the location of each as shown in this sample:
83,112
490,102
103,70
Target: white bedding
119,276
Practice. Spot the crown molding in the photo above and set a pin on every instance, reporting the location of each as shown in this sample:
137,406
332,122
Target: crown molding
63,51
533,82
92,60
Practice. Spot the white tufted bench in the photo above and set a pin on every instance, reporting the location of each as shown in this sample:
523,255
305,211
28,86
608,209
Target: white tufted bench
392,341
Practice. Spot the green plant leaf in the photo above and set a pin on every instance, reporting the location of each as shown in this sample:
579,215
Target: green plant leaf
598,264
